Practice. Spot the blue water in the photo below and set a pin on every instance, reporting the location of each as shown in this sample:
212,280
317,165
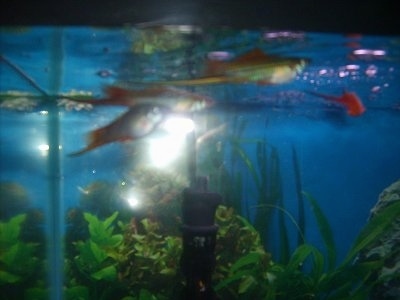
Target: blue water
345,161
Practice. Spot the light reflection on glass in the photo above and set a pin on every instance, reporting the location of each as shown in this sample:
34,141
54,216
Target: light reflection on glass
371,70
352,67
166,149
268,35
44,149
219,55
178,125
369,52
131,197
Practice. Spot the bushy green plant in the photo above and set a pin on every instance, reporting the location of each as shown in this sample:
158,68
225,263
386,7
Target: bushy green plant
142,261
97,258
241,258
19,263
151,258
17,258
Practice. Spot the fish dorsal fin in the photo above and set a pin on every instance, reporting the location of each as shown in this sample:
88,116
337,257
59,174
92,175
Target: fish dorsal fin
252,55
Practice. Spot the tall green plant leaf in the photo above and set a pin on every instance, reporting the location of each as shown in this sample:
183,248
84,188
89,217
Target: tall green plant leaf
299,256
325,231
249,259
300,200
287,214
247,161
276,198
262,163
283,239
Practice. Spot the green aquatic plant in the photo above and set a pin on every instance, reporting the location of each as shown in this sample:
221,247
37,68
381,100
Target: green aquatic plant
352,279
17,258
268,185
241,258
324,229
97,258
151,258
263,168
19,262
294,281
306,272
309,274
139,260
235,237
299,194
97,255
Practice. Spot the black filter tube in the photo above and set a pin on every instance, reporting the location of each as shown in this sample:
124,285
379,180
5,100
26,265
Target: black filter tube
199,238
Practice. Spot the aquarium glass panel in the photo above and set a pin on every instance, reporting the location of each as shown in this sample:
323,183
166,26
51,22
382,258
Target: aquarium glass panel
159,160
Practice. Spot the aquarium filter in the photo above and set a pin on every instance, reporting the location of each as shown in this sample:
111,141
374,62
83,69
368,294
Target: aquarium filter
199,238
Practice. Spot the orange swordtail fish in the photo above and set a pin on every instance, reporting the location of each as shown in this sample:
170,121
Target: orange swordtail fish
137,122
178,100
254,66
349,100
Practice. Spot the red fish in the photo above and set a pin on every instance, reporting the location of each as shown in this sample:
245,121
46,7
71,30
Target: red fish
177,99
349,100
136,123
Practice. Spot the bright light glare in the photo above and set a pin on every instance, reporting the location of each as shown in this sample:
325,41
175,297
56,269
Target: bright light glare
371,52
43,147
133,202
132,198
164,151
178,125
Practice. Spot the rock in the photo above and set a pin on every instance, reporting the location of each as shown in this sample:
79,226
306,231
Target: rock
387,246
387,197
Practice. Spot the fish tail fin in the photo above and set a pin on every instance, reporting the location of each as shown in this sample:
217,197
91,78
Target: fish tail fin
113,91
96,138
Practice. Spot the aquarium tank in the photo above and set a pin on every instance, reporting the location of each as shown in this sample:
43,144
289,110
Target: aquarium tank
188,162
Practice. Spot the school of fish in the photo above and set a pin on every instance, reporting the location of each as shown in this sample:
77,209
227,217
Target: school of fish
252,67
149,106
